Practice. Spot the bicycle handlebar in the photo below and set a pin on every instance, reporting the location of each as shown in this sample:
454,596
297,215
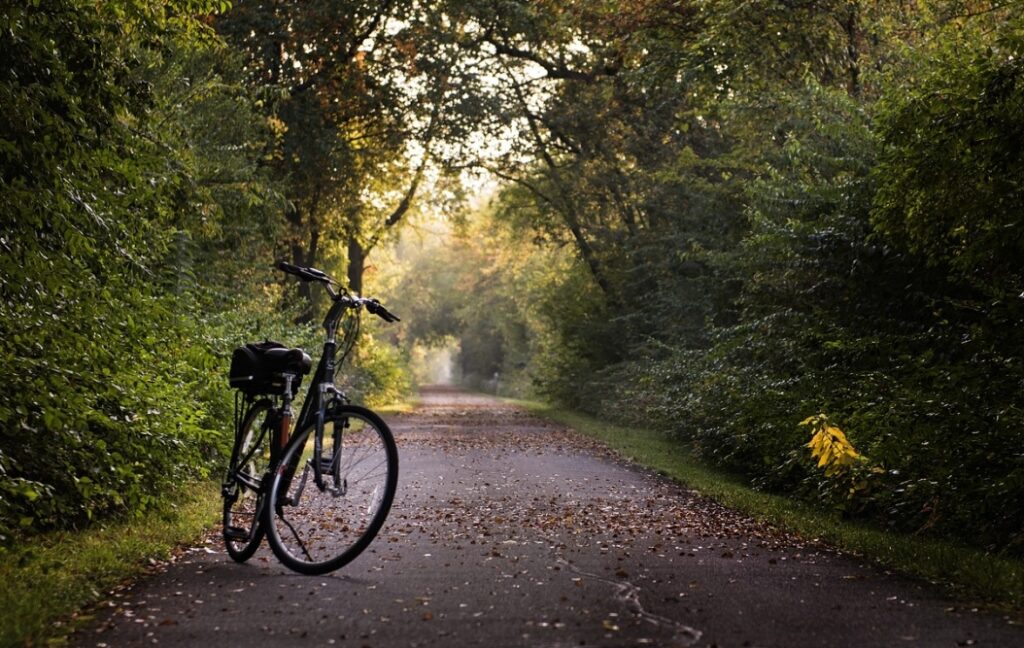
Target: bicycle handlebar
312,274
378,309
306,274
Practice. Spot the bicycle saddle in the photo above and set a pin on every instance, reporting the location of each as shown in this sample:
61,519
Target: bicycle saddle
294,361
256,368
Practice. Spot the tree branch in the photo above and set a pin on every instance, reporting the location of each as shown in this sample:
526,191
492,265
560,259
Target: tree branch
524,183
349,54
568,210
553,70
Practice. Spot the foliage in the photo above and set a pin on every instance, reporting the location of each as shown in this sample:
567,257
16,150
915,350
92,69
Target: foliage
719,216
485,293
952,167
829,445
824,218
356,112
128,163
378,375
142,174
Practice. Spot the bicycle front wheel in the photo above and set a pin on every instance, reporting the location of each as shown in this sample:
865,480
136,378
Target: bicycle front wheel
316,526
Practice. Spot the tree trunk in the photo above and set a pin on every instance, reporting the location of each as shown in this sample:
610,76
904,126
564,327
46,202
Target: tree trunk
356,265
304,253
852,50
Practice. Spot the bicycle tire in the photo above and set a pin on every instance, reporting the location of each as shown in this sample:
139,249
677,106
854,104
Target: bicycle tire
315,530
243,494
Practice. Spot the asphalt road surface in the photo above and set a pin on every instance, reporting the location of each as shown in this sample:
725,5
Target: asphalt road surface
511,531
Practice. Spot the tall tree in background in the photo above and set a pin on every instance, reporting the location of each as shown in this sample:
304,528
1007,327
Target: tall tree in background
356,118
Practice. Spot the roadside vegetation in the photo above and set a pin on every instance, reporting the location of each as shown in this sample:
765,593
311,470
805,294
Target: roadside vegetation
149,178
785,234
49,582
970,574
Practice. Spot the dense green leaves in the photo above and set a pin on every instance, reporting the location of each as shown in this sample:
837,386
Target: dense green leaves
779,209
128,167
150,174
722,216
953,166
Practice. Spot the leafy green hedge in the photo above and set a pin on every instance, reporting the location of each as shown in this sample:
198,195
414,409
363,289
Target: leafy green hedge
829,226
129,188
881,284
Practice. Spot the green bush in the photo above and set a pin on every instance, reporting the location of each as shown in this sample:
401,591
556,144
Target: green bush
875,278
377,375
123,197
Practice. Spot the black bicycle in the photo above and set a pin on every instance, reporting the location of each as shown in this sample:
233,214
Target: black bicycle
321,495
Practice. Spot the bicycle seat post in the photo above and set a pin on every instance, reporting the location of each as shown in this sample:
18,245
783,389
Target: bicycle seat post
286,411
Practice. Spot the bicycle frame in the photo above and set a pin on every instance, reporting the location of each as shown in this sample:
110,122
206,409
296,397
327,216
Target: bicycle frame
321,388
323,377
263,431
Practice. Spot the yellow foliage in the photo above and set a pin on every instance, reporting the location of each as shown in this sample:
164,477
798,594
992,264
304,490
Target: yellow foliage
829,445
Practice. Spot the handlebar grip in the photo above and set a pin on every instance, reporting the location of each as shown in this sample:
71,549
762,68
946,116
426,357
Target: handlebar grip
290,269
306,274
378,309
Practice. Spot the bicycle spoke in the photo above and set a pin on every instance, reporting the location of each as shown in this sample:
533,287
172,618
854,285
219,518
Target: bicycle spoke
349,467
295,534
324,529
352,482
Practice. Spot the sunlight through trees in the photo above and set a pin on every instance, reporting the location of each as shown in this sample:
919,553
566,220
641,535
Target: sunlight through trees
717,218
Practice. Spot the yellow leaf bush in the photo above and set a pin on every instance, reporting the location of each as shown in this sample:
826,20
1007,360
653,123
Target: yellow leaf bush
830,446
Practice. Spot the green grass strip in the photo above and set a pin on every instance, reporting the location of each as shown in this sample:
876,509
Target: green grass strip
49,579
967,573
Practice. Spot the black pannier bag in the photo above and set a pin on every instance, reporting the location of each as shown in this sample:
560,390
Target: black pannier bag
257,368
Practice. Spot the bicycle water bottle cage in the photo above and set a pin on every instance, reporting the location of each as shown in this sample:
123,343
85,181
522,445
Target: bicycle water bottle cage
259,368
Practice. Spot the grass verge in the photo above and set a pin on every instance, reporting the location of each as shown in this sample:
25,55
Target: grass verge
966,573
46,581
401,407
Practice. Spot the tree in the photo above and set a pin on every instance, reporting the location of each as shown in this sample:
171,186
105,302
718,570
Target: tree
952,170
356,119
779,209
125,150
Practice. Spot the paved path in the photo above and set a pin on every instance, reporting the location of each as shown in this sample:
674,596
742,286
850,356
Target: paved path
510,531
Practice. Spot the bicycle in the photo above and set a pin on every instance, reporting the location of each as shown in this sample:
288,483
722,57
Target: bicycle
321,495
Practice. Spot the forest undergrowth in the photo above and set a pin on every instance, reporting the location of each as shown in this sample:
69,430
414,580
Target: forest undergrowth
786,233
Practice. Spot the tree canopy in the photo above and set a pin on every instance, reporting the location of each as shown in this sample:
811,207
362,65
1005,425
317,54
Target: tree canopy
775,210
722,218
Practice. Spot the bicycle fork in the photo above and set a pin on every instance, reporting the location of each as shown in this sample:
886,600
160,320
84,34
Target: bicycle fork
330,464
319,464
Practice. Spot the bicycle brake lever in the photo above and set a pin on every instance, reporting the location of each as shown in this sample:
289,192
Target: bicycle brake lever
378,309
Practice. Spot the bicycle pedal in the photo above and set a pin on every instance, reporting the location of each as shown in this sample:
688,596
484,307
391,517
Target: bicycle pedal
325,464
236,533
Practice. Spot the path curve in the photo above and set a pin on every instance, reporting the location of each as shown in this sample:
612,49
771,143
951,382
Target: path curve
511,531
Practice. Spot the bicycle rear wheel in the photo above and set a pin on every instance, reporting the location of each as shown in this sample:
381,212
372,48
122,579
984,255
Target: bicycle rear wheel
314,529
243,492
